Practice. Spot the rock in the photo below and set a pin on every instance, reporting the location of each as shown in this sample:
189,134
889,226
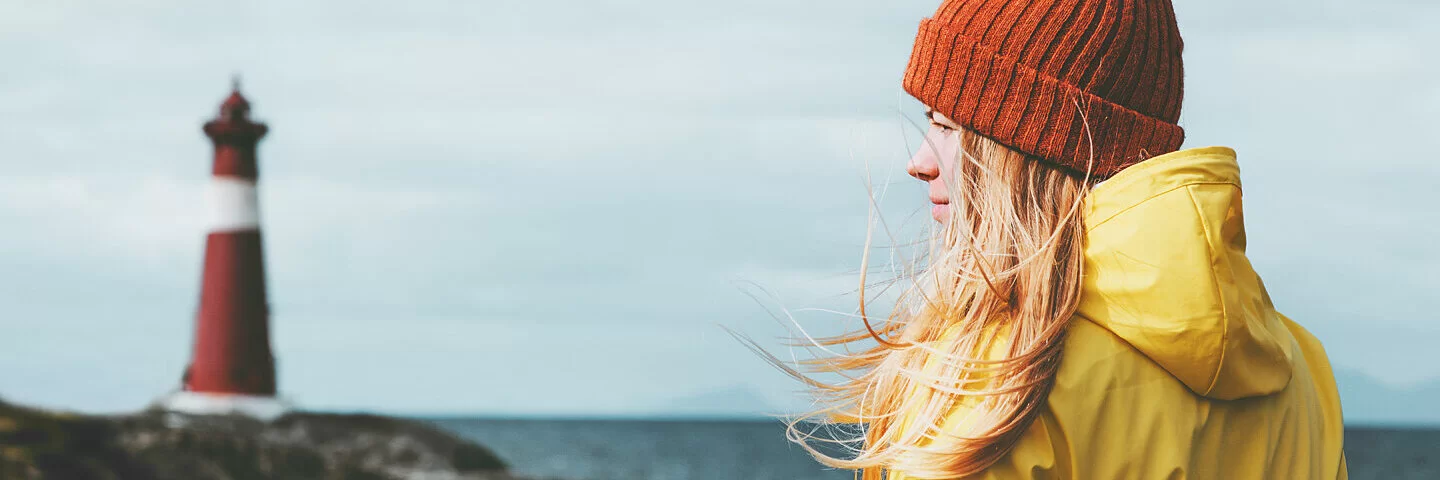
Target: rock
157,445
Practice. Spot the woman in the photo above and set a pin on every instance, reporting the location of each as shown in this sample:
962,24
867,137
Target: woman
1087,310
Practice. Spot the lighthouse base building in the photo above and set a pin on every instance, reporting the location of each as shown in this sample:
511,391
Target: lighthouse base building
199,403
232,368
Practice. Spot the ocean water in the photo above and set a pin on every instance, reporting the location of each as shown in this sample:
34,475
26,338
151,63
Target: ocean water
645,450
757,450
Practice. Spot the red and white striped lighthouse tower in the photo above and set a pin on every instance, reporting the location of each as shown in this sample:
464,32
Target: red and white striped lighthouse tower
232,369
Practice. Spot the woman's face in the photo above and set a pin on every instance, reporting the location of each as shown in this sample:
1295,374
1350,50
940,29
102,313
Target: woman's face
935,160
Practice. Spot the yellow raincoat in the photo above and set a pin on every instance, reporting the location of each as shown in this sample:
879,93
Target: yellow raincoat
1176,365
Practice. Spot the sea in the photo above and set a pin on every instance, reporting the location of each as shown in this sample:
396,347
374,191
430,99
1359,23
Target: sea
757,450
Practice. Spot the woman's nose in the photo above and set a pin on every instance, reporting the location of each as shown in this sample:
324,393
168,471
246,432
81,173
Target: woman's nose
924,166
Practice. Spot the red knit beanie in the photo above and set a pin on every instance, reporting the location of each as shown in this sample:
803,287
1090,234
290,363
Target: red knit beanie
1031,74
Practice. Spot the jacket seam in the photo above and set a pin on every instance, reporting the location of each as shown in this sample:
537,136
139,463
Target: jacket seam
1157,195
1215,282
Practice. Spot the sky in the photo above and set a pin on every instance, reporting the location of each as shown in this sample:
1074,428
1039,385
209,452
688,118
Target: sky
552,207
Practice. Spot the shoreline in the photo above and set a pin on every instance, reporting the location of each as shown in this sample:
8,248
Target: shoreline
41,444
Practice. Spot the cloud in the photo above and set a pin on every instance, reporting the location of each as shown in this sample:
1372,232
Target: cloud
459,196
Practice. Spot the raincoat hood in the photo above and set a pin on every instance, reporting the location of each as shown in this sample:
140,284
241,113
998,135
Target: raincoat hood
1173,327
1191,303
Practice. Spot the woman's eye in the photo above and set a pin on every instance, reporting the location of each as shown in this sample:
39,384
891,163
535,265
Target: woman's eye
930,115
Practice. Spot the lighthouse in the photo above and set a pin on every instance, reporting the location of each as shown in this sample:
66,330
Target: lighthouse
231,368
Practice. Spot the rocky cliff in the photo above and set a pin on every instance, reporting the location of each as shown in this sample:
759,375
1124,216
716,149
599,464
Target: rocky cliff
36,444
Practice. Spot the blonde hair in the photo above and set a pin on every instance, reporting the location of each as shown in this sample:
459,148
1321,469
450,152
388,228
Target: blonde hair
977,331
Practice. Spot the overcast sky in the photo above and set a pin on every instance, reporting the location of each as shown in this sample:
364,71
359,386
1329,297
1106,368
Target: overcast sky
548,207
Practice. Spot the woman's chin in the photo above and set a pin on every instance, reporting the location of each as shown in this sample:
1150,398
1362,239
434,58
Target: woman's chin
941,213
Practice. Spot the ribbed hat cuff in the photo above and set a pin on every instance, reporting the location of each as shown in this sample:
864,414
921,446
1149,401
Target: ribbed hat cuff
1027,110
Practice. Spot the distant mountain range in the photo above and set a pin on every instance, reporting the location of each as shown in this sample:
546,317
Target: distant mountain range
733,402
1368,402
1365,401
